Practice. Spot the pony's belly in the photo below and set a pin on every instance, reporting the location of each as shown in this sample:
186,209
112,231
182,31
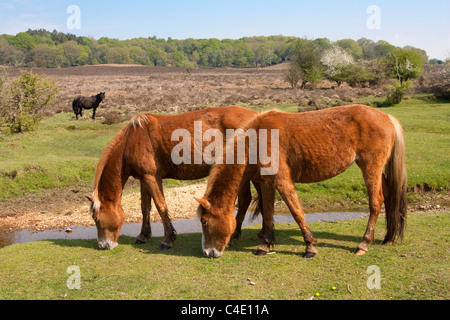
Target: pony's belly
188,172
323,169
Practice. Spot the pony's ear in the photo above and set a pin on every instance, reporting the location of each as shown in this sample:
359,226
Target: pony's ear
90,198
204,203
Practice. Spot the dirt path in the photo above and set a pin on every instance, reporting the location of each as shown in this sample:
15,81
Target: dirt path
59,209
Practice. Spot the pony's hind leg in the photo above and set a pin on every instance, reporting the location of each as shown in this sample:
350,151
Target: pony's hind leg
373,181
146,205
287,191
156,190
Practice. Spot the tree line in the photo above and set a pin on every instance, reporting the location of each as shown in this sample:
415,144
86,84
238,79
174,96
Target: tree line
42,48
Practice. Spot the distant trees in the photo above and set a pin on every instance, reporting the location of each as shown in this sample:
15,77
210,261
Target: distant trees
41,48
356,63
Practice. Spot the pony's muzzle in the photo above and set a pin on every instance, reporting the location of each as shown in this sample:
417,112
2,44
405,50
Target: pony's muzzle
105,244
212,253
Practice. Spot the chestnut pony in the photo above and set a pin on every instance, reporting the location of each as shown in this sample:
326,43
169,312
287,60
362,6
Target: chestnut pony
142,149
312,147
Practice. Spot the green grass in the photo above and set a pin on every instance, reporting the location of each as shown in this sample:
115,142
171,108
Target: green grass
61,153
418,268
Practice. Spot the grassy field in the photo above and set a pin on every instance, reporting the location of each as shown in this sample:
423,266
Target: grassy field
418,268
61,153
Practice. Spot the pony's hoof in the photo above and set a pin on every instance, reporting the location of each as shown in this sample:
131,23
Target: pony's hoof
235,236
164,247
260,252
141,239
360,252
309,255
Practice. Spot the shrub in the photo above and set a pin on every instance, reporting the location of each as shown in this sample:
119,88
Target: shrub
293,75
22,100
398,92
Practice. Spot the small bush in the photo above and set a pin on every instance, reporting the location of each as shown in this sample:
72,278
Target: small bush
398,92
112,117
23,99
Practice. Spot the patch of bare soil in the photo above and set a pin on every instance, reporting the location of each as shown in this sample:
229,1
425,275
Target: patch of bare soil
59,209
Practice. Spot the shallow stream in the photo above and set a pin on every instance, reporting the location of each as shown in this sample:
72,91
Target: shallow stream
132,230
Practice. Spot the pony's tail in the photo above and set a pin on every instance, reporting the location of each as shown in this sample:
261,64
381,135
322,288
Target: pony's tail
257,207
257,204
396,197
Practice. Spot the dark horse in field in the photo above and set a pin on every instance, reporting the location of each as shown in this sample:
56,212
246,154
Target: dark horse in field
80,103
143,149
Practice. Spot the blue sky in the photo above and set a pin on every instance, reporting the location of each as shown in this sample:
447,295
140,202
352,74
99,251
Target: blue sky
423,24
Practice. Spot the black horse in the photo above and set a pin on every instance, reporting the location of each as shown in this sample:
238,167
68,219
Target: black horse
81,103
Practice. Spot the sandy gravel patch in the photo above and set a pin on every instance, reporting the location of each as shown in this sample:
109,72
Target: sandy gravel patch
180,201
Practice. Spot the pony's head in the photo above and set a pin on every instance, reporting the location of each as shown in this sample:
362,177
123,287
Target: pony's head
217,226
109,219
101,96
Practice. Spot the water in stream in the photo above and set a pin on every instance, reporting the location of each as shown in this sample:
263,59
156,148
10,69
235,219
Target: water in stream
132,230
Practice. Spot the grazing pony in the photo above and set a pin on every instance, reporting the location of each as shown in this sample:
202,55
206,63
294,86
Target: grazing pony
143,149
80,103
312,147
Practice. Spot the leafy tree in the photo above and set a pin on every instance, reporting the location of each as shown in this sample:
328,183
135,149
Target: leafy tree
404,64
307,58
368,48
383,48
334,60
354,74
352,47
45,56
23,40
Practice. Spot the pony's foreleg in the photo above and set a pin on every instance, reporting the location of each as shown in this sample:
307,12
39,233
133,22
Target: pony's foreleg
156,190
244,200
146,205
373,181
268,237
93,113
287,191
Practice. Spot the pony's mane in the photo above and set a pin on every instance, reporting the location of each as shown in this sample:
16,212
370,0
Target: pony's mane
216,168
138,120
